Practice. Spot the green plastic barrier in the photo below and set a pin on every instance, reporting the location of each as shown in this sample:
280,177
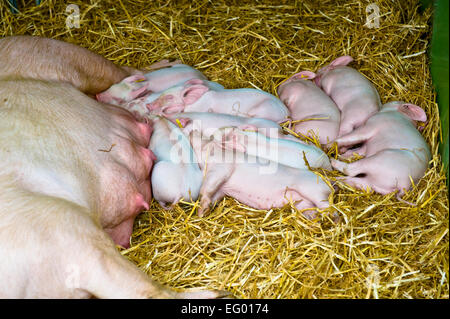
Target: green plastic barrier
439,67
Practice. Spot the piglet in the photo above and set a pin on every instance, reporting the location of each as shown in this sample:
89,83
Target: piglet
284,151
251,183
149,97
152,82
176,174
196,96
128,89
208,123
317,114
354,95
163,79
395,152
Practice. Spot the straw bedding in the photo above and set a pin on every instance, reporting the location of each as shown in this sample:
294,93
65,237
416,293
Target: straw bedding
382,248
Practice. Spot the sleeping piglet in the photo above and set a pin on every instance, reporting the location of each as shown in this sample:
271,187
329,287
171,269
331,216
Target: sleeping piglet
152,82
307,103
196,96
243,179
208,123
393,148
284,151
354,95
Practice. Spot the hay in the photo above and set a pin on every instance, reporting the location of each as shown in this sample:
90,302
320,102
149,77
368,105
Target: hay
383,248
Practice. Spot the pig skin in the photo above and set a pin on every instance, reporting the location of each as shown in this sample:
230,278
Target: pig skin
127,96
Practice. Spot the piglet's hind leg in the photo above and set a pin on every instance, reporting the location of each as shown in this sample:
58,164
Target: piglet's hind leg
366,173
358,136
305,206
215,177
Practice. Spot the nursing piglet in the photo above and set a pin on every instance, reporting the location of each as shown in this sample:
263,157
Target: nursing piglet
317,114
144,98
258,185
395,152
152,82
354,95
196,96
176,174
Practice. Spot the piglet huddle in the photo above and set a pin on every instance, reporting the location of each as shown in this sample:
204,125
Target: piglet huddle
212,142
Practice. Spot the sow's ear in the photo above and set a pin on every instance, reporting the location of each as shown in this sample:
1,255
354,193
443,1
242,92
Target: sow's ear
412,111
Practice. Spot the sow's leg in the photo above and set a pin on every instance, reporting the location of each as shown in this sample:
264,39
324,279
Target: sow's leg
49,59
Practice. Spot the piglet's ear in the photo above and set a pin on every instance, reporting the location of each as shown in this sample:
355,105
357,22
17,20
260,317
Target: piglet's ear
343,60
137,93
153,105
135,78
172,109
181,122
413,111
192,93
194,81
304,75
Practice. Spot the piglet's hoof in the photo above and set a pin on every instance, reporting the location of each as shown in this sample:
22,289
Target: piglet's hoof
310,214
336,218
